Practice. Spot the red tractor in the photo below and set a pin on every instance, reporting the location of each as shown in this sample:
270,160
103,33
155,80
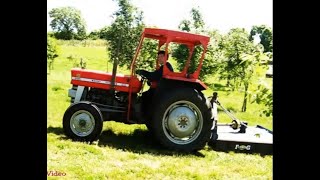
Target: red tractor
178,114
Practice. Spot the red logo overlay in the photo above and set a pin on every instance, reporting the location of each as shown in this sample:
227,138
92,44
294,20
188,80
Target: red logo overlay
55,173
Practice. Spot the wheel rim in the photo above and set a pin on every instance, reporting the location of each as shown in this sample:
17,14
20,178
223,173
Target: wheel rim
182,122
82,123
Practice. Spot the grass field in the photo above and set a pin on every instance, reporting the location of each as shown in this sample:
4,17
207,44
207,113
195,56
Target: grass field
128,151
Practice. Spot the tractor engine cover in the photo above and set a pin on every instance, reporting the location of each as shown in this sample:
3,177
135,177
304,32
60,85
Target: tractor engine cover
102,80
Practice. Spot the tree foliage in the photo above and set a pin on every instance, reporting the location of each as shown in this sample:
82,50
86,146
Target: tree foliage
181,52
265,34
148,55
214,55
245,63
103,32
233,44
52,52
124,33
68,23
94,35
264,96
254,66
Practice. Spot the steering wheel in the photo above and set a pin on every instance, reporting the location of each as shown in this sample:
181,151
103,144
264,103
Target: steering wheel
141,76
144,78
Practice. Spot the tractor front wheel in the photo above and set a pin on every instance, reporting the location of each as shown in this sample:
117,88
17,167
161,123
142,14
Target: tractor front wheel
83,122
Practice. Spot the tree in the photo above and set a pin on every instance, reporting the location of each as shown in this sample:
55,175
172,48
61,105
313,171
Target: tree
181,52
265,34
254,67
214,55
103,32
94,35
68,23
148,55
52,52
234,43
245,63
124,33
264,96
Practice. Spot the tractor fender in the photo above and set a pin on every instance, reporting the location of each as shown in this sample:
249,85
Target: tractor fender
85,102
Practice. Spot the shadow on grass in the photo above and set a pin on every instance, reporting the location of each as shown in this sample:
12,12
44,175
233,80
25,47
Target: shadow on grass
231,110
55,130
218,87
140,141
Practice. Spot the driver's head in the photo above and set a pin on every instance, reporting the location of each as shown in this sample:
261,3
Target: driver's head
161,57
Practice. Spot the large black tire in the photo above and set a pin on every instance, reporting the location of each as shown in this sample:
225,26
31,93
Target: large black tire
148,124
147,108
83,122
182,119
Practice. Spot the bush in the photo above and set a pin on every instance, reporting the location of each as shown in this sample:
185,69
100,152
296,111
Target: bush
52,52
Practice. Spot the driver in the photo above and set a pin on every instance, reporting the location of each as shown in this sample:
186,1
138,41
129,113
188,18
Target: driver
157,74
152,76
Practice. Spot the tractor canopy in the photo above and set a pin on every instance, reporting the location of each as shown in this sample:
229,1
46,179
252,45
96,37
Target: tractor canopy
164,36
189,40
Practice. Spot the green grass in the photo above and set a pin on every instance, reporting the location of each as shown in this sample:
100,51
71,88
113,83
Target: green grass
128,151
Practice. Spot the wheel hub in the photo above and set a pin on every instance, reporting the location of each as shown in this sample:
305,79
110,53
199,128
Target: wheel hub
182,122
82,123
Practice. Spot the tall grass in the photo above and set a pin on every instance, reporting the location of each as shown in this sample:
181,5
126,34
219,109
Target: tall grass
83,43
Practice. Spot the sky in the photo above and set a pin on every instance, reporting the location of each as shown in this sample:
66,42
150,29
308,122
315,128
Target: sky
167,14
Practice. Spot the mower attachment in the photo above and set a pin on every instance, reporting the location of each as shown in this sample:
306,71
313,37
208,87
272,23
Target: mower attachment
237,136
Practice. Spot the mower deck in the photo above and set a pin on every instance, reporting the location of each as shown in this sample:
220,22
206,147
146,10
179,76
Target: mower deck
254,140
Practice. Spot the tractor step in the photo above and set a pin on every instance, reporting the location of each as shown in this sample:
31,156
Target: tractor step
255,140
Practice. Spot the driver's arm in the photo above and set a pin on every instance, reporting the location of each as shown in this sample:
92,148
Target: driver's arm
143,73
151,76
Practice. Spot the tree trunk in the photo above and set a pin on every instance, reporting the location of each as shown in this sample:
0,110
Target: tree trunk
115,65
228,81
244,105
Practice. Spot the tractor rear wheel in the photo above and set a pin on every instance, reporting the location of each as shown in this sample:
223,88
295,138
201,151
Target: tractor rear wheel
182,120
83,122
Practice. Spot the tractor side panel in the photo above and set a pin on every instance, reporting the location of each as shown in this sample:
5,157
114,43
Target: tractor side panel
102,80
